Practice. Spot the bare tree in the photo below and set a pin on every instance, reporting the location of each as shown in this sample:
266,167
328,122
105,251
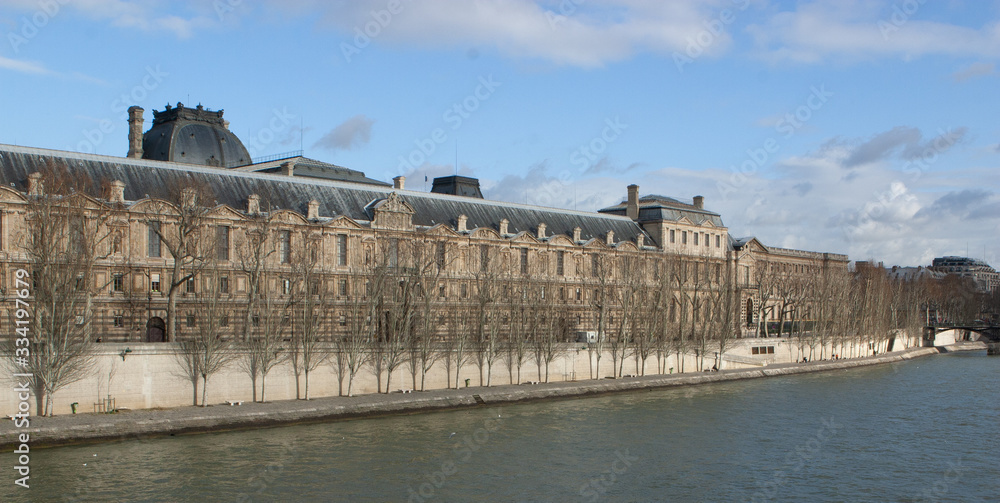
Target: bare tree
65,232
307,350
204,350
456,350
488,314
553,330
179,226
424,273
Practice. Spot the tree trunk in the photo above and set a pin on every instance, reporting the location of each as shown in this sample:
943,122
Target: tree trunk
254,380
171,335
194,389
306,389
204,389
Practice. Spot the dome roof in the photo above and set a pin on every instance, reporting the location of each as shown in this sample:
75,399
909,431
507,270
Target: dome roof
193,136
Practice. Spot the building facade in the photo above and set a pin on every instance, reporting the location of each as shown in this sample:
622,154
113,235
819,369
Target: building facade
173,227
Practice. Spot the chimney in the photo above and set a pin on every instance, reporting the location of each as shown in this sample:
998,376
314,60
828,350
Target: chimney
541,231
313,212
699,202
287,168
399,182
188,197
503,226
117,192
632,209
640,241
35,184
462,223
253,204
135,132
576,234
611,238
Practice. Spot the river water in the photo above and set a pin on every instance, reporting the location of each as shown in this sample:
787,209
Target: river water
923,430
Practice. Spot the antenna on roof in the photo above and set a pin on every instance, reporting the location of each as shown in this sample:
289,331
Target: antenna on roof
456,156
300,134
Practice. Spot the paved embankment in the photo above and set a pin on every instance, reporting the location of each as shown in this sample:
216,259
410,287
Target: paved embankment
69,429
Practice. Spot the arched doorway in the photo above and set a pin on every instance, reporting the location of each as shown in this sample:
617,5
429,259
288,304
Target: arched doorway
749,314
156,330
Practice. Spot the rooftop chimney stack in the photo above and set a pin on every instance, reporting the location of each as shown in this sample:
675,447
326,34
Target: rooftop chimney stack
135,132
541,230
253,204
313,212
463,222
699,202
576,234
35,184
632,209
503,226
399,182
117,192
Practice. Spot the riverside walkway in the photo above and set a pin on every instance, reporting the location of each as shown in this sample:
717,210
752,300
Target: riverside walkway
82,428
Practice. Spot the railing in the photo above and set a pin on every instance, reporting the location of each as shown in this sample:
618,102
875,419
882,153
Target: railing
275,157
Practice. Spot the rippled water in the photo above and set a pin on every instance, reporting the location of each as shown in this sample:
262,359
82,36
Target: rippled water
924,430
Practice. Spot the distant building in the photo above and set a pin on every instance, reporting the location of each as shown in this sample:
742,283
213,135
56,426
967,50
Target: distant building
987,279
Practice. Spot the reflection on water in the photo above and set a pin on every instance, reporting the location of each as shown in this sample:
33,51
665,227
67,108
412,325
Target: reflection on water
923,430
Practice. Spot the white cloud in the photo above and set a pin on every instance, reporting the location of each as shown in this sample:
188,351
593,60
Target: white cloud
590,34
974,70
23,66
350,134
817,31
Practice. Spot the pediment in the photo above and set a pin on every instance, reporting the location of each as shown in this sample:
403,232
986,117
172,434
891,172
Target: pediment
8,194
344,222
626,246
393,213
561,240
485,233
595,243
442,230
288,217
226,212
155,206
524,237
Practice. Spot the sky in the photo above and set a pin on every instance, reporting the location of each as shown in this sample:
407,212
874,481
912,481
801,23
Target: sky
865,127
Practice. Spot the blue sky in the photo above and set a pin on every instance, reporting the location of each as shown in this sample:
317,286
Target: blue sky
859,127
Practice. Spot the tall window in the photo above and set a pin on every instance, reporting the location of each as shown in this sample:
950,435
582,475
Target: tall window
684,237
484,257
189,285
671,235
441,255
696,239
222,242
706,240
154,239
718,241
154,282
560,263
524,261
286,286
285,246
118,283
224,284
341,249
343,288
595,266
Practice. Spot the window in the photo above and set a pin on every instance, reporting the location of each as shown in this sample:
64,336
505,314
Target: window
672,235
562,293
118,283
79,282
342,288
189,285
190,320
116,243
224,321
286,286
465,290
341,249
524,261
153,240
442,292
561,263
595,265
441,255
222,242
718,273
542,292
154,282
224,284
684,237
314,288
343,320
579,294
762,350
285,246
119,320
706,240
695,238
484,257
718,241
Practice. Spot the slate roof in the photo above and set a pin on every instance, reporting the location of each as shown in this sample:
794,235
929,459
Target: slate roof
654,208
304,166
144,178
193,136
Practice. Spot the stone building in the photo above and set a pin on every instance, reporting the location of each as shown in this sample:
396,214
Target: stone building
346,221
986,278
